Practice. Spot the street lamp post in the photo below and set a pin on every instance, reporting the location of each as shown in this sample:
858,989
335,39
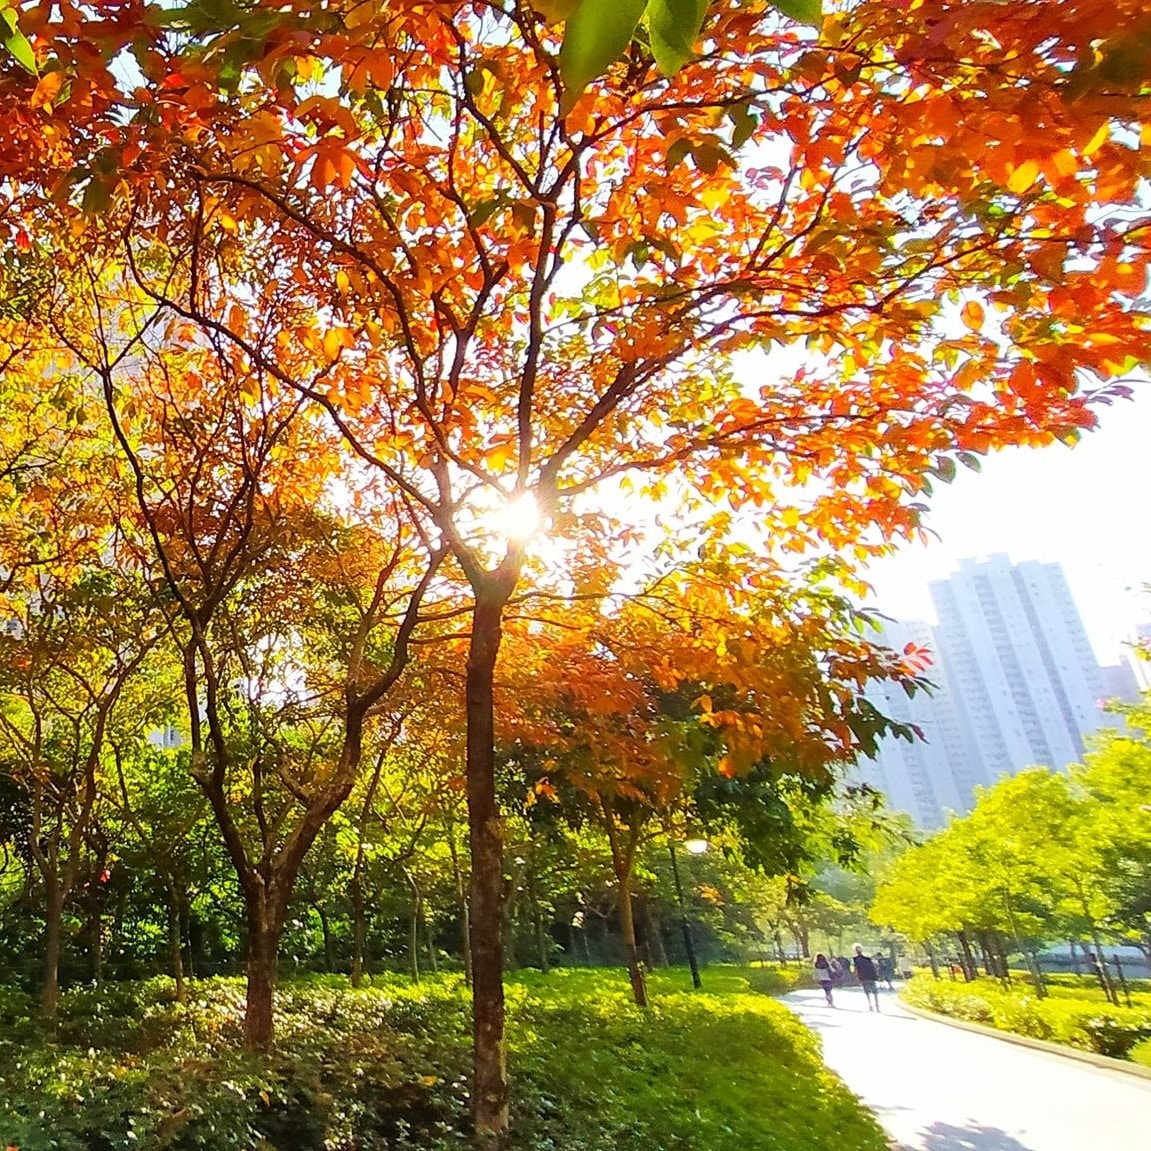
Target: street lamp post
696,847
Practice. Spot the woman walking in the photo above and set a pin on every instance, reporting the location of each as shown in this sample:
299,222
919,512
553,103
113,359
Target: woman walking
822,972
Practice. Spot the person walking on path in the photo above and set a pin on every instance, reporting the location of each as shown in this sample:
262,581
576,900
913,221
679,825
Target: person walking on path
822,972
865,973
885,969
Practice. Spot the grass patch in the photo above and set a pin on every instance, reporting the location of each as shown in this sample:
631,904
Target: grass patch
385,1067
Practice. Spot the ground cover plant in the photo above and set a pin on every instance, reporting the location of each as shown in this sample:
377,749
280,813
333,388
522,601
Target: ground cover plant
1067,1015
385,1067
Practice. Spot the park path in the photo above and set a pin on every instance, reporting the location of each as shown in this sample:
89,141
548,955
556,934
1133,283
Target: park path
938,1088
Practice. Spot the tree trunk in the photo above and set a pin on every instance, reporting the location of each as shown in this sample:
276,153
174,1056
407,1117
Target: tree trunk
326,929
414,926
176,949
542,941
583,938
485,834
96,935
988,959
359,933
1001,955
1104,976
263,950
970,971
932,960
53,932
657,953
631,951
462,904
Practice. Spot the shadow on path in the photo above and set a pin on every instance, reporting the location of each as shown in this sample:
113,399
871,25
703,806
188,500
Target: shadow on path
948,1137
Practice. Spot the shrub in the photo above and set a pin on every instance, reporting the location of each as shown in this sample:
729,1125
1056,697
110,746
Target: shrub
1068,1019
384,1069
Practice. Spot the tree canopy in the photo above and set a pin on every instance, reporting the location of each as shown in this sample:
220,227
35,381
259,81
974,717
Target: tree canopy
427,262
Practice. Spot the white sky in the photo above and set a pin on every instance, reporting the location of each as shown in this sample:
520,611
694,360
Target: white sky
1083,507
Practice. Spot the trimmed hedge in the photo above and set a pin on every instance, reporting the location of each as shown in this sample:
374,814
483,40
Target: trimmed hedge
1070,1020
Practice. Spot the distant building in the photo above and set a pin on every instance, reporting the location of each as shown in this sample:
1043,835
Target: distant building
1120,682
1018,686
920,777
169,738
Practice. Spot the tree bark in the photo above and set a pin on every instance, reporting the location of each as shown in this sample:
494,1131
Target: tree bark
631,951
970,971
542,941
932,960
485,834
1104,976
359,933
462,904
53,931
657,953
264,928
326,930
988,958
414,926
176,948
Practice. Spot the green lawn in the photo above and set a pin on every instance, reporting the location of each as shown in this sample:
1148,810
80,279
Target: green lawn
726,1069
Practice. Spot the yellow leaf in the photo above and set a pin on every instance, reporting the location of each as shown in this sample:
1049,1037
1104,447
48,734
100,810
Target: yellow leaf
250,390
334,340
1023,177
1099,139
714,196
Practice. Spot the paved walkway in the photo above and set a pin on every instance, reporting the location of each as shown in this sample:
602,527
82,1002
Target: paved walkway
937,1088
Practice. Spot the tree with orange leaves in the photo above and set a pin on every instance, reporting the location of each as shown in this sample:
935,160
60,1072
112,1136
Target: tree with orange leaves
499,293
629,713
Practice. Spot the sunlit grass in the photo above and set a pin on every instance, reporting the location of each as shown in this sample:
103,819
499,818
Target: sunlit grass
385,1067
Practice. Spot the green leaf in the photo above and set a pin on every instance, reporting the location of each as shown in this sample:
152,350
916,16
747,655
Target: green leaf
944,469
677,153
596,36
97,197
17,43
674,26
709,155
484,210
808,12
744,123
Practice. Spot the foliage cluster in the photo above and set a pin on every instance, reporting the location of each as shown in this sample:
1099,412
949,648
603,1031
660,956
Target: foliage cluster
384,1067
321,289
1043,856
1058,1018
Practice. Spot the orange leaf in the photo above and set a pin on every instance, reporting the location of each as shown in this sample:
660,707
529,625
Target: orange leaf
48,89
973,315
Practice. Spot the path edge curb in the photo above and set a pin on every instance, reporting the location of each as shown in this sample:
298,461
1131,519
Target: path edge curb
1103,1061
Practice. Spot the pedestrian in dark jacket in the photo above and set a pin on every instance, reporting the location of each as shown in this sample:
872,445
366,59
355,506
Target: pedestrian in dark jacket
866,974
885,969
